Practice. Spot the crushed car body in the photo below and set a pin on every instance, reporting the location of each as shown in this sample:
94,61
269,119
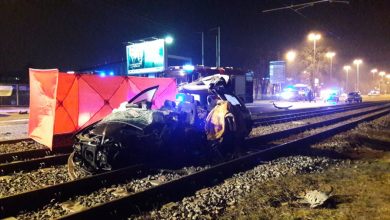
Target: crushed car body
206,116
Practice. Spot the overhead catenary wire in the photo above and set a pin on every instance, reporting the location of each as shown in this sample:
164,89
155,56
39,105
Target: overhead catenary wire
297,7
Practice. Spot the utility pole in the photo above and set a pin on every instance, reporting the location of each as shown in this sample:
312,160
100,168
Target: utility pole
202,48
217,46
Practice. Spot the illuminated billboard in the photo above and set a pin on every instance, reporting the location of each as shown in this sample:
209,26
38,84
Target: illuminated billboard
277,72
145,57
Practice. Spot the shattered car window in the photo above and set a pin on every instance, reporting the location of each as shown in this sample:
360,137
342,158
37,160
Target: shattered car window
146,95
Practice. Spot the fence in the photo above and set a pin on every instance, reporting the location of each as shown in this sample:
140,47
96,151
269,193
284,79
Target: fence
14,95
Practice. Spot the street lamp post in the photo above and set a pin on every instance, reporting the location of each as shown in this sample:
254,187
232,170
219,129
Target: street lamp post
217,46
202,48
330,55
387,83
346,68
313,37
373,71
381,74
357,62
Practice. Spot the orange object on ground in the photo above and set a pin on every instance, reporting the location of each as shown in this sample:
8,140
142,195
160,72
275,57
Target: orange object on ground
215,121
62,103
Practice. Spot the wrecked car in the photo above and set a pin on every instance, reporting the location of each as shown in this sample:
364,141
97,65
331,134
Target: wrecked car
205,117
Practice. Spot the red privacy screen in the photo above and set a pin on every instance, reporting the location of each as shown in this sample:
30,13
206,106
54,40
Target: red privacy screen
62,103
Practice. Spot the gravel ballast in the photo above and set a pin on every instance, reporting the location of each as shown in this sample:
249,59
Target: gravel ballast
57,209
20,146
209,203
22,182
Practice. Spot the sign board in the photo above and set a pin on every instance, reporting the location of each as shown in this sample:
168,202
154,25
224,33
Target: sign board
146,57
277,72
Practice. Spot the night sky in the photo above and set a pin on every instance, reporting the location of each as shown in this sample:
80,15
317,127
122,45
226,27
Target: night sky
77,34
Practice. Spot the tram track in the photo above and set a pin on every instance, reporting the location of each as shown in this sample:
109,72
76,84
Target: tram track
304,114
141,197
33,159
187,185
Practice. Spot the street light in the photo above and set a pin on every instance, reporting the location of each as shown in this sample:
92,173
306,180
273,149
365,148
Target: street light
290,55
346,68
357,62
330,55
313,37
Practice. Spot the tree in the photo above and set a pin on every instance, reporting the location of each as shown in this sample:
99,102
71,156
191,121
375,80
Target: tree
311,69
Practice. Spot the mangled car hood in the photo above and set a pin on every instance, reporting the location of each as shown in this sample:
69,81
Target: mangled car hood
139,118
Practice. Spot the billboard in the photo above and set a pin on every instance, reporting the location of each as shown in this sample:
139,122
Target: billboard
145,57
277,72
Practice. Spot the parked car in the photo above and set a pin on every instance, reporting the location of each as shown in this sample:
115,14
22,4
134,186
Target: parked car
354,97
374,93
343,97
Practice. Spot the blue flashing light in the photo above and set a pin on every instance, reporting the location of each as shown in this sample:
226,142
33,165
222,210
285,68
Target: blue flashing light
102,74
180,97
188,67
111,73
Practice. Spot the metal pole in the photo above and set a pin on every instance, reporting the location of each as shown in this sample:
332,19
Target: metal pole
216,51
346,83
202,48
357,83
331,67
219,46
17,94
314,67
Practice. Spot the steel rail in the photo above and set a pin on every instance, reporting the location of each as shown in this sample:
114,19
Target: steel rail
63,191
288,132
304,115
266,115
277,113
11,205
33,164
23,155
13,141
176,189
